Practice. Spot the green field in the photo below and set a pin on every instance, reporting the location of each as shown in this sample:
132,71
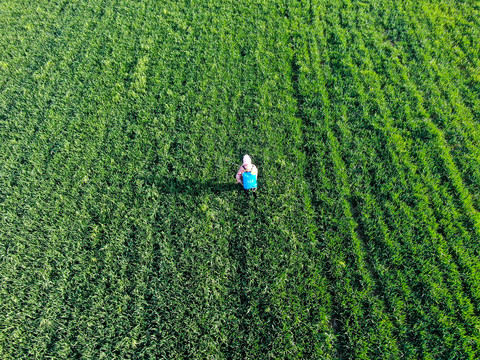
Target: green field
124,236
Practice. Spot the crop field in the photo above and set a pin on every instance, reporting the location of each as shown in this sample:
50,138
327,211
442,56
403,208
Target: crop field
124,236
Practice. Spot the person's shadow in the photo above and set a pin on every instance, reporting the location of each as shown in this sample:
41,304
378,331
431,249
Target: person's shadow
173,185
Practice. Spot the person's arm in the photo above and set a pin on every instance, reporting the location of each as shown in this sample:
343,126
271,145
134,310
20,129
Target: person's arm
239,175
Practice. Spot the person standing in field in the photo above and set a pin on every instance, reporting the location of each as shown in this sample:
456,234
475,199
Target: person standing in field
247,176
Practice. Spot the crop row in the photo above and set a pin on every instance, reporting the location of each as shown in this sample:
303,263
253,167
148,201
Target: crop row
359,315
383,175
419,188
446,86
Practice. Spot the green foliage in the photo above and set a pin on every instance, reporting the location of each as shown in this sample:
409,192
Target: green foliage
123,234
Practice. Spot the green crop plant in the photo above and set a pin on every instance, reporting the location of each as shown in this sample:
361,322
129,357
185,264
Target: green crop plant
124,235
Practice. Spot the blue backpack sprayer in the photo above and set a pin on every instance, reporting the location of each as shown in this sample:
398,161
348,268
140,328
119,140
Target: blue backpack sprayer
249,180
